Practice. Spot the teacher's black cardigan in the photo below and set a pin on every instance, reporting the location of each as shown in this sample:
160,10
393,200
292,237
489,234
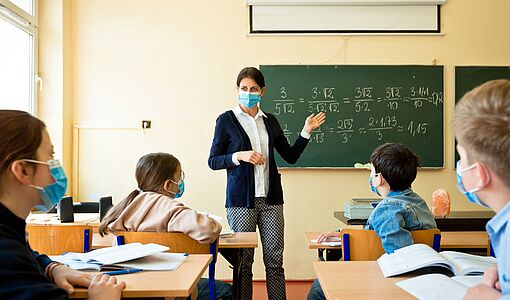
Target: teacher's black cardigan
230,137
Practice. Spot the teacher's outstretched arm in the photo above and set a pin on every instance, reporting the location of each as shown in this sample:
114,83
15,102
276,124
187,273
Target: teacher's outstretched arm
292,153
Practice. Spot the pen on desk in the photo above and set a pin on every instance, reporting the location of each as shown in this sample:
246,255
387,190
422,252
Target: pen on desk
122,272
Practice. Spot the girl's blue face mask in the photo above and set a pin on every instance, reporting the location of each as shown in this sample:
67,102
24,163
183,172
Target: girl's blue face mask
52,193
471,195
180,184
249,99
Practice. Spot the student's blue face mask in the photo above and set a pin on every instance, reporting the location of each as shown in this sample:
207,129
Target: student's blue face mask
471,195
180,184
372,187
249,99
51,194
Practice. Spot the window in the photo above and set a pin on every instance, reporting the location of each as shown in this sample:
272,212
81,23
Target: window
344,16
18,33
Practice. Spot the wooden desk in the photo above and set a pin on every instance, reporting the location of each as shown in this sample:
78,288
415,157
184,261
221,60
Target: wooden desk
232,248
357,280
179,283
333,253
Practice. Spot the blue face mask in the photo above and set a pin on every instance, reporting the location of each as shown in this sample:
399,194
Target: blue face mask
249,99
51,194
471,195
181,190
373,188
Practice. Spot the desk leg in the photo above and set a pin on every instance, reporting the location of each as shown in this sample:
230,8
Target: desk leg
234,256
320,254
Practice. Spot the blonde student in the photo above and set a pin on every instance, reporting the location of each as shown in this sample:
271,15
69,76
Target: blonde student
31,177
153,207
481,123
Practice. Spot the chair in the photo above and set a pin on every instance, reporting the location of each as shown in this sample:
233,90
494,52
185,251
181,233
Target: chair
178,242
360,244
58,239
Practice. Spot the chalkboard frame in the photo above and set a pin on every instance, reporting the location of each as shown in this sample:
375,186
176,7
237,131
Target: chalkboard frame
489,73
439,161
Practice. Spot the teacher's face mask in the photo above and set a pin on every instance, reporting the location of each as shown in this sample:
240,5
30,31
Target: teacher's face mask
249,99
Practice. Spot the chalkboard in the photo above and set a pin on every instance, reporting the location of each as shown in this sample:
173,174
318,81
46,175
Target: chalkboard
365,107
469,77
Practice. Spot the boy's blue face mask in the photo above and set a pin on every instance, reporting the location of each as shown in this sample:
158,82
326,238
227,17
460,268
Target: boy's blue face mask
471,195
249,99
51,194
372,187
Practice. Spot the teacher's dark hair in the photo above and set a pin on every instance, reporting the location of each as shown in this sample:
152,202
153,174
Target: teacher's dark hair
152,170
20,137
253,73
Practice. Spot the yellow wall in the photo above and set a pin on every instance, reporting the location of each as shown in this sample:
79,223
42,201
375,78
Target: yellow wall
175,63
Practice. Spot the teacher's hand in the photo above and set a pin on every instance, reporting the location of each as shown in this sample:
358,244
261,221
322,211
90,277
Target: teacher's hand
251,157
314,121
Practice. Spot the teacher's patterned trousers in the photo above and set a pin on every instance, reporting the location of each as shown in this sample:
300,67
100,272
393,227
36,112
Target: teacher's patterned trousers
269,219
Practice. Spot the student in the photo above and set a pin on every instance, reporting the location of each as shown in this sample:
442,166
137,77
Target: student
152,207
29,177
244,144
481,123
393,170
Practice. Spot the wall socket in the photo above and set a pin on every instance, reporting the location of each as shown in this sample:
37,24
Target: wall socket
146,124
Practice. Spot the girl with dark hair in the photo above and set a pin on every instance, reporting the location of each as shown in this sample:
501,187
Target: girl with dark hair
244,142
30,177
153,207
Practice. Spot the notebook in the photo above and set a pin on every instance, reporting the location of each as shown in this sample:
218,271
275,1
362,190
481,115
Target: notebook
439,286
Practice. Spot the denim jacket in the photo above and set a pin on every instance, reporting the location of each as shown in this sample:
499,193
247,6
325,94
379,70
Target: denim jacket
396,215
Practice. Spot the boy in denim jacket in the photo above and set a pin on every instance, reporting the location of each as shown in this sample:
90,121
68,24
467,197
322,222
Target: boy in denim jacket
393,169
481,123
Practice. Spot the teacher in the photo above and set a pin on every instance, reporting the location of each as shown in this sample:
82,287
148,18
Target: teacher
244,142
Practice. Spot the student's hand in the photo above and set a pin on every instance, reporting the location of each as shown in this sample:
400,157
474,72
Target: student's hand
65,278
251,157
482,291
325,235
491,279
314,121
105,287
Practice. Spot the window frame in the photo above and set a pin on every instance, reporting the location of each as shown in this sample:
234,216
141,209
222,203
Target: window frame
21,19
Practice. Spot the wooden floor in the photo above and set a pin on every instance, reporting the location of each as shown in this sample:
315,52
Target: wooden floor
296,290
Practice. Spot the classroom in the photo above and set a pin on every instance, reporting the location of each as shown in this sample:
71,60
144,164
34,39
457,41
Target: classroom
104,67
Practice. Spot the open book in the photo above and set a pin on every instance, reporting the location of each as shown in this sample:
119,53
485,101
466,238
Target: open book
439,286
133,255
417,256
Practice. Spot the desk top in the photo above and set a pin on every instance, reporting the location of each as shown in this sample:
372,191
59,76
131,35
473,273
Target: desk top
238,240
178,283
313,236
357,280
455,221
91,219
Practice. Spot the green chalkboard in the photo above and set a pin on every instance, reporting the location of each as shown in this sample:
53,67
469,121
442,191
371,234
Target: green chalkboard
469,77
365,107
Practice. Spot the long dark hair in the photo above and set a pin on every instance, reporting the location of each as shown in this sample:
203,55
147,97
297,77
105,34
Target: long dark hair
253,73
152,170
20,137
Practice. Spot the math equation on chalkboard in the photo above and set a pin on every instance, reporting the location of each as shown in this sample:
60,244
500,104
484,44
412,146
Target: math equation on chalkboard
365,107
